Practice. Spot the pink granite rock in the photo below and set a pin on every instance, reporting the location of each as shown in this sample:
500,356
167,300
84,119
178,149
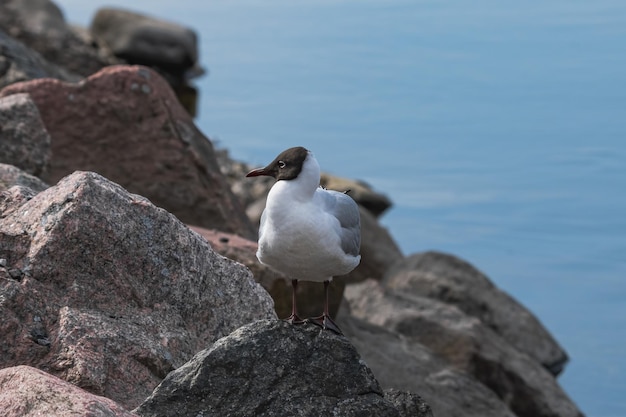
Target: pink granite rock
11,175
105,290
29,392
125,123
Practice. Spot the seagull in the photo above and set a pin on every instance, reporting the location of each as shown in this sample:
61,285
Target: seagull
307,232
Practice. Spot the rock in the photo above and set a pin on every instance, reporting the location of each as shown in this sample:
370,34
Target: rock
406,365
29,392
454,281
467,345
408,404
376,203
12,199
24,141
310,294
142,40
103,289
11,176
248,192
19,63
40,25
271,368
128,126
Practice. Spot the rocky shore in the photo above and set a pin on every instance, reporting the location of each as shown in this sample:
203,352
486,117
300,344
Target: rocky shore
129,284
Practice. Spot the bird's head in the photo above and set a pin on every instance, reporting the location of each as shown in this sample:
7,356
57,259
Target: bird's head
286,166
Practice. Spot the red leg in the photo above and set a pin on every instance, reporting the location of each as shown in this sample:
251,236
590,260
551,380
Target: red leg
324,320
294,318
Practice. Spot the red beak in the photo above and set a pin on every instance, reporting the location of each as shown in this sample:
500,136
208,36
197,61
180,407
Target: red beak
258,172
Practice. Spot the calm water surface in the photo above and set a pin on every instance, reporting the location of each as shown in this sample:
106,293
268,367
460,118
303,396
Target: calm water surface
498,128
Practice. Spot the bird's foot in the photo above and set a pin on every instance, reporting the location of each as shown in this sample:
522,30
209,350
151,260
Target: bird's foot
326,323
294,319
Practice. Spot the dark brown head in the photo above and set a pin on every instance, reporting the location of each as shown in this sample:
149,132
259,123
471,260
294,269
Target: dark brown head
285,166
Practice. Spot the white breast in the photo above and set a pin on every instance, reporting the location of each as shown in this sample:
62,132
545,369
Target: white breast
308,233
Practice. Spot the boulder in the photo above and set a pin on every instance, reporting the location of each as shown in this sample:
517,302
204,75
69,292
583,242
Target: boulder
103,289
454,281
29,392
126,124
271,368
41,26
250,193
24,141
12,176
142,40
467,345
403,365
20,63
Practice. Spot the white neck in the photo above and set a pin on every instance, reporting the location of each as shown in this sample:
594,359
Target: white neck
301,188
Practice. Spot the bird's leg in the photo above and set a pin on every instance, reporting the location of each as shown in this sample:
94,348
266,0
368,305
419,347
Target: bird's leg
294,318
324,320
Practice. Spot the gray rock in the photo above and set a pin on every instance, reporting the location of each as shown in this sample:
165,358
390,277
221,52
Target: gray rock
271,368
454,281
467,345
40,25
408,404
405,365
24,140
142,40
101,288
20,63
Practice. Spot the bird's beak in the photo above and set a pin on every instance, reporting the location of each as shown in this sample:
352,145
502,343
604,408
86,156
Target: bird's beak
260,171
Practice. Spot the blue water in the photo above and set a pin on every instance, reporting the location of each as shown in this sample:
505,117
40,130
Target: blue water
498,129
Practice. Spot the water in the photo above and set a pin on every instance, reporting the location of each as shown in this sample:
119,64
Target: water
496,127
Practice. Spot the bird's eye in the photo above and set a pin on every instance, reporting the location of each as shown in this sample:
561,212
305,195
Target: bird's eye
281,164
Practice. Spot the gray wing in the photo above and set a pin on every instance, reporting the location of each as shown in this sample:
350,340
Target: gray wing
346,211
